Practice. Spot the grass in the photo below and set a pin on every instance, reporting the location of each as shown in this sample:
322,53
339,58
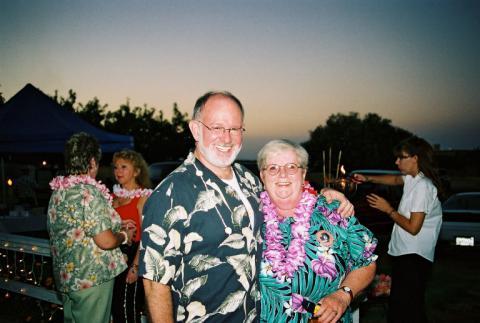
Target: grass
453,291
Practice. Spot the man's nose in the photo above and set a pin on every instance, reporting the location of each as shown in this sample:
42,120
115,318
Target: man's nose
227,136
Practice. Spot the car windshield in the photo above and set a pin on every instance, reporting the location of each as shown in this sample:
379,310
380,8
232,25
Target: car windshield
463,202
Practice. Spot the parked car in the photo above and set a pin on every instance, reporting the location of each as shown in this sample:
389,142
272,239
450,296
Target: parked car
158,171
461,219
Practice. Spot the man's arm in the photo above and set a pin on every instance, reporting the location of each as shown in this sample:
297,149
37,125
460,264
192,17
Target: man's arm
159,301
346,207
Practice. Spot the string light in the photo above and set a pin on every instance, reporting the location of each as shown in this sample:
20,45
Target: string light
16,266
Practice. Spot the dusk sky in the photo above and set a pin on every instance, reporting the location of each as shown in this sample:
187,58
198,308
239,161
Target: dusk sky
291,63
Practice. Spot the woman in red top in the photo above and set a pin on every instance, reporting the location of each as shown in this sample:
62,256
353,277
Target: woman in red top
131,172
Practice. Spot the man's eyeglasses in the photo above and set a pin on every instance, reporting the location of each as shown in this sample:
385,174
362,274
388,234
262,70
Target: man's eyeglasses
274,169
401,157
220,131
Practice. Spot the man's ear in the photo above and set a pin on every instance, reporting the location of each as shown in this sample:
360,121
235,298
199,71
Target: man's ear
93,164
93,168
194,129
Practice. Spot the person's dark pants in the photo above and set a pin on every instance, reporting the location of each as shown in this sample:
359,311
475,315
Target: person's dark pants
128,299
407,295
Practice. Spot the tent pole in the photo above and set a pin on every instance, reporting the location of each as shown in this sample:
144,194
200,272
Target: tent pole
4,191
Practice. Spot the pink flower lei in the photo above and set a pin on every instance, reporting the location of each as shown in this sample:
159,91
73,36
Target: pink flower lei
65,182
284,263
124,193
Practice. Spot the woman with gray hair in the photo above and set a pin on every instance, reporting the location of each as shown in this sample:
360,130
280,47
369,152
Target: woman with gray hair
314,261
85,234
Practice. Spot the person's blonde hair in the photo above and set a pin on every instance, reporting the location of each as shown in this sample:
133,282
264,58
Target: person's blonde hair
143,178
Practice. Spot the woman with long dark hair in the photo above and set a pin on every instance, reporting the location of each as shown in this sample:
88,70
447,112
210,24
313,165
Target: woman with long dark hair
417,223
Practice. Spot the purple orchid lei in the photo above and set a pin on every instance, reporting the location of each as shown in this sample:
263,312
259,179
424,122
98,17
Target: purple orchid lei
284,263
65,182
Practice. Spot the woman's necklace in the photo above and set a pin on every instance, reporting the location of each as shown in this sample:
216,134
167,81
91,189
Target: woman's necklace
285,262
129,194
65,182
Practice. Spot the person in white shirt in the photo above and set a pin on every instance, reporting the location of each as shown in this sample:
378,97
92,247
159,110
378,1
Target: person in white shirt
416,227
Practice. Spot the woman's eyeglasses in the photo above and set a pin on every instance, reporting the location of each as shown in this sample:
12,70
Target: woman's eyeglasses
274,169
401,157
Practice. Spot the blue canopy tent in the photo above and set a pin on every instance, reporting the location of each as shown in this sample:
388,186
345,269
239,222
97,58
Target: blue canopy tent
32,122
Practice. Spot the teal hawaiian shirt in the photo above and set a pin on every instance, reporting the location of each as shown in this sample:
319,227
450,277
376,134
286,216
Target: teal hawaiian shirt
336,246
75,216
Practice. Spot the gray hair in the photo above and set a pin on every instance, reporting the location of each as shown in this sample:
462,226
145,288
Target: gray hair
201,101
280,145
79,150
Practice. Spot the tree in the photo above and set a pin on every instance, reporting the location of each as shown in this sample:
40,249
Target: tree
171,141
92,112
156,138
67,103
365,143
2,99
184,137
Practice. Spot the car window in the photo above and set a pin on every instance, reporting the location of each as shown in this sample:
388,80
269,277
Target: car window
463,202
392,194
158,171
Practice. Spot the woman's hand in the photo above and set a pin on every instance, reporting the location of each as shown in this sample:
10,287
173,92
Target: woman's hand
346,208
132,274
130,229
412,225
379,203
128,224
332,307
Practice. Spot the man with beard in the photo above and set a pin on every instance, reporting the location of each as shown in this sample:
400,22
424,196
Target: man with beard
201,226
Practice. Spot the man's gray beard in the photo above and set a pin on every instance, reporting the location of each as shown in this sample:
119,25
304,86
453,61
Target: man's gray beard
209,155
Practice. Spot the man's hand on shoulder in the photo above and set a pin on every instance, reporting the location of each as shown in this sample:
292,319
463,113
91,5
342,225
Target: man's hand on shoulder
346,208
